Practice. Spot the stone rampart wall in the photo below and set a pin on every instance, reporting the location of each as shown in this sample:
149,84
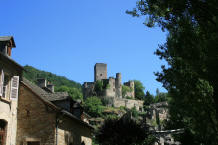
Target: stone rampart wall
128,103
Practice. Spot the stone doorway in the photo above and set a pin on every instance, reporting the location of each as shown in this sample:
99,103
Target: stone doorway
3,132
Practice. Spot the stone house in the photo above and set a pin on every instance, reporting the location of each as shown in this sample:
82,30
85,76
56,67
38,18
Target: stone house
10,73
48,118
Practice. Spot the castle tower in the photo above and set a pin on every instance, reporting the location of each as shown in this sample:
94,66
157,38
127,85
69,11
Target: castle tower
118,85
100,71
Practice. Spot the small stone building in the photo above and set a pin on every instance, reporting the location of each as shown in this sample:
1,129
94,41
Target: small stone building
48,118
10,73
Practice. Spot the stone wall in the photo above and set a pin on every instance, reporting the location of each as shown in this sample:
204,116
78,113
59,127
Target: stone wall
159,109
100,71
129,103
34,119
72,132
131,85
114,91
88,89
110,91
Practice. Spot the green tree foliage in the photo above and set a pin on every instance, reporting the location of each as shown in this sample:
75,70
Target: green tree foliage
93,106
160,97
191,53
139,90
75,93
100,86
125,90
123,132
32,74
62,84
134,112
148,99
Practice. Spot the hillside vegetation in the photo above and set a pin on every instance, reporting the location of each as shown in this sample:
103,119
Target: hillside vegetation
61,83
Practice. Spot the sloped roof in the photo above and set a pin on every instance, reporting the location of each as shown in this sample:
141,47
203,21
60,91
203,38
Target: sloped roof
48,96
9,60
56,96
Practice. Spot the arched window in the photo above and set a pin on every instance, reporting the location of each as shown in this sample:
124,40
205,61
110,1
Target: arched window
3,129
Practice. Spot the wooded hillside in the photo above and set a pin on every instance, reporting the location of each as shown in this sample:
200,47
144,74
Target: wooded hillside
32,74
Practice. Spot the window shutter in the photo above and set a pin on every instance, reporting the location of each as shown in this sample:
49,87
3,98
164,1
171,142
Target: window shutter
2,83
14,87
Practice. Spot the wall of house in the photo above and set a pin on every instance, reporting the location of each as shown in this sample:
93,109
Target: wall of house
8,108
35,119
73,132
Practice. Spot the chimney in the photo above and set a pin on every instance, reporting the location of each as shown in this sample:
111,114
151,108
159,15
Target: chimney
6,45
41,83
51,87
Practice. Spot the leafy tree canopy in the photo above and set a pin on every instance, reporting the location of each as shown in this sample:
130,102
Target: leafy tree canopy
62,84
125,90
124,132
93,106
139,90
75,93
148,99
33,74
191,53
160,97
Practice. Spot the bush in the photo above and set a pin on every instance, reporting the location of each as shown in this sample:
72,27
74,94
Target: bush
125,90
107,101
123,132
75,93
134,112
93,106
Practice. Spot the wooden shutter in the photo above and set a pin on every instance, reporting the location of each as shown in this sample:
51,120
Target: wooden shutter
14,87
2,83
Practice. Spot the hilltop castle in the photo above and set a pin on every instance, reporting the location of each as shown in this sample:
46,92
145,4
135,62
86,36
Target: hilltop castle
112,88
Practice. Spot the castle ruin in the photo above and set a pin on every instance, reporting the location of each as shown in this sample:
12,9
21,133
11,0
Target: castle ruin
112,88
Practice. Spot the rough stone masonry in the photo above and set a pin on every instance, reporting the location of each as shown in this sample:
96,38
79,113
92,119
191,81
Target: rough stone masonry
114,90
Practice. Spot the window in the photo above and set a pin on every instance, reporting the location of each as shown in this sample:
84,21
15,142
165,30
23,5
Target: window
6,87
14,87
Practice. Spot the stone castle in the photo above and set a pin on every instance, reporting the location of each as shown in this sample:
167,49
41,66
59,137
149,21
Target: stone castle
112,89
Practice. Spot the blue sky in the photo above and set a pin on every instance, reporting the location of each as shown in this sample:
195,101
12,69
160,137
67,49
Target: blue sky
67,37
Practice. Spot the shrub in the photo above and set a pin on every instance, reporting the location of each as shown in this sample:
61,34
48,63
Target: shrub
93,106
